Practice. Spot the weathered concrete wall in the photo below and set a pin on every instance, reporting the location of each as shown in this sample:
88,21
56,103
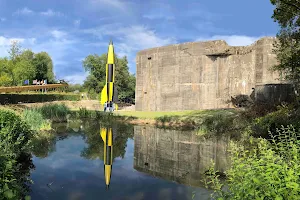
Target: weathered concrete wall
178,156
201,75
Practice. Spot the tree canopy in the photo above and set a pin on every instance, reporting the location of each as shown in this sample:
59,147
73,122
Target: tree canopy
23,64
287,48
96,66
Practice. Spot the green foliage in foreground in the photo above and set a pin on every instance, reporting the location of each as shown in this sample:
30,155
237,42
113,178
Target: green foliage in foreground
15,158
35,98
269,171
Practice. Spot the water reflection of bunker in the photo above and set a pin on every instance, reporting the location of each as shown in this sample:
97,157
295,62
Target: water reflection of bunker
179,156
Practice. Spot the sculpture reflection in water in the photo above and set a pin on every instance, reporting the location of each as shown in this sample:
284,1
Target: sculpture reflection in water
107,137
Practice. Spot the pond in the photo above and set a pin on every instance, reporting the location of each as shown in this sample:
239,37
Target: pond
87,160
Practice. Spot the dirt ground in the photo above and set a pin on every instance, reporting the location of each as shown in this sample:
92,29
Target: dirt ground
73,105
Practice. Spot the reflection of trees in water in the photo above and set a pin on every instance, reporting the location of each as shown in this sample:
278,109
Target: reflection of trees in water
95,149
90,132
24,168
45,143
43,146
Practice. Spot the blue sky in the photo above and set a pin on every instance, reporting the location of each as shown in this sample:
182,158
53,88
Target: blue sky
70,30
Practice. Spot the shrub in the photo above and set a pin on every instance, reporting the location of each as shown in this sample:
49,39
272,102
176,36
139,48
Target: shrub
270,122
15,159
269,171
55,112
33,98
12,127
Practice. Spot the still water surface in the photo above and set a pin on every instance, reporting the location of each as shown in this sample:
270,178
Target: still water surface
147,163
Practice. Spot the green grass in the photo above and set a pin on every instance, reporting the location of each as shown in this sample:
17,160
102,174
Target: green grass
205,121
181,114
35,120
55,112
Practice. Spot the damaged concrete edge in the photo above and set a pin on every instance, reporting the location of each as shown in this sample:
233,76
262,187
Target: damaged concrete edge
214,43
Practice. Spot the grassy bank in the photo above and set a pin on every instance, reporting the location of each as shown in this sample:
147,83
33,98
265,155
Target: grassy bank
204,121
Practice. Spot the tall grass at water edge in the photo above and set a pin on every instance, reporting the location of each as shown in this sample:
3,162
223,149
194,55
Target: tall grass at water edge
54,112
35,120
83,113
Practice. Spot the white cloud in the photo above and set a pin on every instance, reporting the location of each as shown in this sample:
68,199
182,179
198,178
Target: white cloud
6,42
50,13
27,11
58,34
158,16
32,41
57,49
160,11
77,22
97,44
76,78
118,4
131,39
23,11
232,40
2,19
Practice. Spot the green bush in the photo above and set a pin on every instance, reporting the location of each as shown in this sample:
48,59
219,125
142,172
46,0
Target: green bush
270,122
13,127
164,119
55,112
15,157
33,98
269,171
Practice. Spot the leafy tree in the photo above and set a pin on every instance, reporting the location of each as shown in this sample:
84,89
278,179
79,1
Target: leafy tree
23,70
15,51
287,48
44,67
24,64
5,80
74,87
6,72
96,66
27,55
